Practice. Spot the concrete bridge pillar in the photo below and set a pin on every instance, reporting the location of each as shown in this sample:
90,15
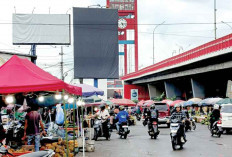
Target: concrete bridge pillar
154,91
172,90
198,89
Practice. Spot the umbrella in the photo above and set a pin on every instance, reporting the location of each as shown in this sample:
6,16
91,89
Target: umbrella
203,102
176,102
209,101
213,101
195,100
224,101
192,101
148,103
124,102
141,103
167,101
188,103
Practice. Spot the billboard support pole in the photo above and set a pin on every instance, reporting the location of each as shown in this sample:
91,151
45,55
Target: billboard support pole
33,52
96,82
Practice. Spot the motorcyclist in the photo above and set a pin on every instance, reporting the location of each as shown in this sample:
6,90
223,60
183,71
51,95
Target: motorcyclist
153,114
180,117
215,115
104,115
187,120
122,117
145,114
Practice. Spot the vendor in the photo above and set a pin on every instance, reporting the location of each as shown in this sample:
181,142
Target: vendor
31,129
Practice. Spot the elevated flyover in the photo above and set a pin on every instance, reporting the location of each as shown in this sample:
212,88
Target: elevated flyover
204,71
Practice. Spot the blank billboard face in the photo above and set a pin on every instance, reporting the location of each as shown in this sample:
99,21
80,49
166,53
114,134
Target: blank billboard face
41,29
95,43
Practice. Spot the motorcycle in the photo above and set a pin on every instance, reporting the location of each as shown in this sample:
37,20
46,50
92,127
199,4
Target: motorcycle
131,120
217,128
190,124
124,130
44,153
14,134
175,135
98,130
153,129
138,117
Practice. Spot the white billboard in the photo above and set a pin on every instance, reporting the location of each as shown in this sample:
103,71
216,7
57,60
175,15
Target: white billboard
41,29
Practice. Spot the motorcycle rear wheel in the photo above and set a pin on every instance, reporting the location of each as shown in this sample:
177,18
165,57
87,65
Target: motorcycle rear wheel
173,145
125,136
155,136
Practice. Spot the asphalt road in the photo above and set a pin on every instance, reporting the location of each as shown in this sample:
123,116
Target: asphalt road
138,144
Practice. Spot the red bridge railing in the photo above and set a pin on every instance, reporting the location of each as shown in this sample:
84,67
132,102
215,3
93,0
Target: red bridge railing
210,47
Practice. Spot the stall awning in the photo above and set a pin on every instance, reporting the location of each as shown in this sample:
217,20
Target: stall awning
20,75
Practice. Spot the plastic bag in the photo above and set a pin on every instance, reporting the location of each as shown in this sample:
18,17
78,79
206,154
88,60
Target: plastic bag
59,115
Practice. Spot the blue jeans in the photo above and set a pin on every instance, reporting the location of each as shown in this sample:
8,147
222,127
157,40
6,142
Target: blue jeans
36,138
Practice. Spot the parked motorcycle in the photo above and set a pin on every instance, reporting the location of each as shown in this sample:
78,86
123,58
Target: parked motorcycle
124,130
175,135
98,130
190,124
14,134
153,129
217,128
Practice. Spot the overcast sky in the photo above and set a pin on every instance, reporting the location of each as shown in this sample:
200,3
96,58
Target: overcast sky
170,38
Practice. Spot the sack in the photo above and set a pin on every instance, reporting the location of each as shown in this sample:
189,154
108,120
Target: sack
59,115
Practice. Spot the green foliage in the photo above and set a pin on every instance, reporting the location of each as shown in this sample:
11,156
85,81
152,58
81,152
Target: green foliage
135,101
159,98
172,98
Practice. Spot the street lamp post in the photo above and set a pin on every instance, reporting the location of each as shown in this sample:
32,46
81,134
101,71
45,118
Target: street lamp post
153,41
227,24
215,19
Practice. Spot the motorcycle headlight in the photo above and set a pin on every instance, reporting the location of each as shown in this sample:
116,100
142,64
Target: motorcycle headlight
173,131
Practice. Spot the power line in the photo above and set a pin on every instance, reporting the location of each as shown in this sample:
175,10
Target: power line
94,24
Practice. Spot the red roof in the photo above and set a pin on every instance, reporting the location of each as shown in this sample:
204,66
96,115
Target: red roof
20,75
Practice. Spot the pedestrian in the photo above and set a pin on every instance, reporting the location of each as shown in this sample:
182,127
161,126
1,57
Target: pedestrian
31,129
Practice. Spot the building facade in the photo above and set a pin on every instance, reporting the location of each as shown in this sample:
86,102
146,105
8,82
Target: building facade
128,43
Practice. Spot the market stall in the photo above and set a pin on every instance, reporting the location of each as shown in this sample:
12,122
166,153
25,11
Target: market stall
21,76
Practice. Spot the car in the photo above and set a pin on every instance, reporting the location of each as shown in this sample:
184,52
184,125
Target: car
164,113
226,117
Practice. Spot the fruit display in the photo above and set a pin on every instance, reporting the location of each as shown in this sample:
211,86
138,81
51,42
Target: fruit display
60,147
22,150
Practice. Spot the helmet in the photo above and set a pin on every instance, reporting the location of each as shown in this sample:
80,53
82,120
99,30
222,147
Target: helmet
216,106
121,108
177,105
102,107
152,106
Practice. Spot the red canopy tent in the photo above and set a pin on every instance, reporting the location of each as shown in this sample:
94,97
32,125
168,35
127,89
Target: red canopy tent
124,102
20,75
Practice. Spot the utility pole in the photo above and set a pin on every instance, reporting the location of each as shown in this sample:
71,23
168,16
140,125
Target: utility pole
62,64
215,20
